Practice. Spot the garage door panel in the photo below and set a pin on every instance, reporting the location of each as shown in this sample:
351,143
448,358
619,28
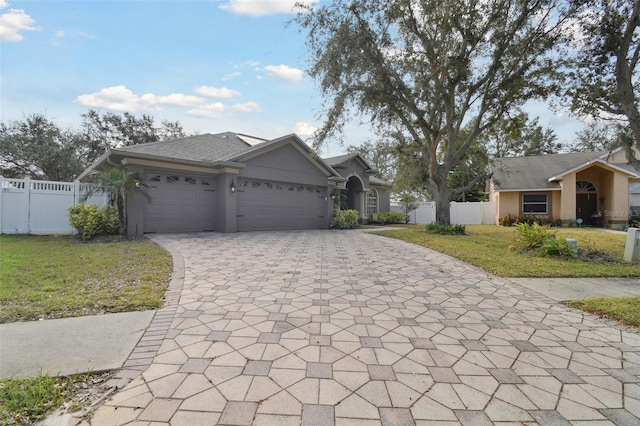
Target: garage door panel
264,205
179,203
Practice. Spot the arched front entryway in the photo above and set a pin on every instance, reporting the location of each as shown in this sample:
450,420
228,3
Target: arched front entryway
586,203
355,195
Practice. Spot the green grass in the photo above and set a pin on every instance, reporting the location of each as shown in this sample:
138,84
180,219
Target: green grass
623,309
24,401
60,276
487,247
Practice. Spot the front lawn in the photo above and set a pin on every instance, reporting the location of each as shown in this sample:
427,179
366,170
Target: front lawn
623,309
487,246
60,276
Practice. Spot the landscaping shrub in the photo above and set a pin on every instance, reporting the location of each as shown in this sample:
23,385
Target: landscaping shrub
528,218
387,218
508,220
437,228
90,221
555,246
538,237
344,219
532,236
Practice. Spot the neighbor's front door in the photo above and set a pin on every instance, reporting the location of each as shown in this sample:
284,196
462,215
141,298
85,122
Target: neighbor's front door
586,206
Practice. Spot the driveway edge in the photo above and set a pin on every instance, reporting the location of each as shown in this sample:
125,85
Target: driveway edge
147,347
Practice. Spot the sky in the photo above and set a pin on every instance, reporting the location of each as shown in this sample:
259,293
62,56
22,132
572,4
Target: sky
215,66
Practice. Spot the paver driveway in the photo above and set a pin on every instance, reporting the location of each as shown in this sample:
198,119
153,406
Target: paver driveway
347,328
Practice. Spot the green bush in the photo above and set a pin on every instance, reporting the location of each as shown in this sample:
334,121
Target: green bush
508,220
556,246
538,237
531,236
344,219
387,218
528,218
89,220
437,228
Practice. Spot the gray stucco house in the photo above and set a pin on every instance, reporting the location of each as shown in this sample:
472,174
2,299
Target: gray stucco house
230,182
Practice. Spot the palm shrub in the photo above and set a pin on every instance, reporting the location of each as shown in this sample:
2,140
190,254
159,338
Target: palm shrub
120,182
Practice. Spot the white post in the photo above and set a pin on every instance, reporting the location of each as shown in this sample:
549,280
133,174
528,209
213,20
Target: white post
27,187
76,192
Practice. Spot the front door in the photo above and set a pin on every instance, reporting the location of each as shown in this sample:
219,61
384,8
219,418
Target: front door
586,208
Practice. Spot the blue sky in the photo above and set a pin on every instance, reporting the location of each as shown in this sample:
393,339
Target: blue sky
215,66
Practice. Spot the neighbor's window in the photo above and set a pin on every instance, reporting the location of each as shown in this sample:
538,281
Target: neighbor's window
372,201
535,203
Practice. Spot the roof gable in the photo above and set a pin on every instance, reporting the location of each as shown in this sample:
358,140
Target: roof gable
342,161
293,140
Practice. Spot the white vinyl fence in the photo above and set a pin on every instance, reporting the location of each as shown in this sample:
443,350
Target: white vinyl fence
40,207
476,213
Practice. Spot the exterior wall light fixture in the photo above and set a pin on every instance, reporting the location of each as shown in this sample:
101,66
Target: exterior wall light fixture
232,187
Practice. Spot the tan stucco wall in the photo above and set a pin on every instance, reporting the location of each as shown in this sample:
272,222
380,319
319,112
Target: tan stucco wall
568,198
556,204
507,203
617,213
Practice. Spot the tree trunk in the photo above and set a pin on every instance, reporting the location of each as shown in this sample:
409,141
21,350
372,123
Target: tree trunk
442,199
121,217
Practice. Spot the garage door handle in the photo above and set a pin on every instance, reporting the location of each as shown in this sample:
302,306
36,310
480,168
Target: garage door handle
240,215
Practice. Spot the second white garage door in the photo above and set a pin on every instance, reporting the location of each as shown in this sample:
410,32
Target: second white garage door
179,203
265,205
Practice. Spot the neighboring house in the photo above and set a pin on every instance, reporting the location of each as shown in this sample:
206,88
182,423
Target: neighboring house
231,182
595,188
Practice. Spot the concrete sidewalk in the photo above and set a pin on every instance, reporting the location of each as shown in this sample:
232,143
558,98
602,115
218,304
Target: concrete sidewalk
565,289
70,345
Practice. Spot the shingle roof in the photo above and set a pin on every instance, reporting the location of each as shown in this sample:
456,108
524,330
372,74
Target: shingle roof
335,161
514,173
206,147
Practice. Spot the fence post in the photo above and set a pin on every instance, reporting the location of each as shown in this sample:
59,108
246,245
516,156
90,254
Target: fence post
76,192
27,187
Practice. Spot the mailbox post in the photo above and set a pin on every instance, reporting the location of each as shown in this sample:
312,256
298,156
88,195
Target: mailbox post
632,247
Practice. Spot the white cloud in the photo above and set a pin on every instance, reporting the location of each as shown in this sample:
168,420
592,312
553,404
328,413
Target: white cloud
262,7
216,92
231,76
14,21
208,110
284,72
304,129
246,107
119,98
177,99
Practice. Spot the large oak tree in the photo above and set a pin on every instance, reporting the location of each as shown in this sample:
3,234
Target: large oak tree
605,80
427,68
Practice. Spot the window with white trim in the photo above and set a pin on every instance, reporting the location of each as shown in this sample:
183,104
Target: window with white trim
372,202
535,203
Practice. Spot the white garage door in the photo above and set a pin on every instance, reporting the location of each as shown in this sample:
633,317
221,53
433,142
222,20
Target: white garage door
179,203
265,205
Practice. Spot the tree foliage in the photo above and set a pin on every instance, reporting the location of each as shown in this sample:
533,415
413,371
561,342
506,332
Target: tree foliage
427,68
605,78
102,132
39,148
602,136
